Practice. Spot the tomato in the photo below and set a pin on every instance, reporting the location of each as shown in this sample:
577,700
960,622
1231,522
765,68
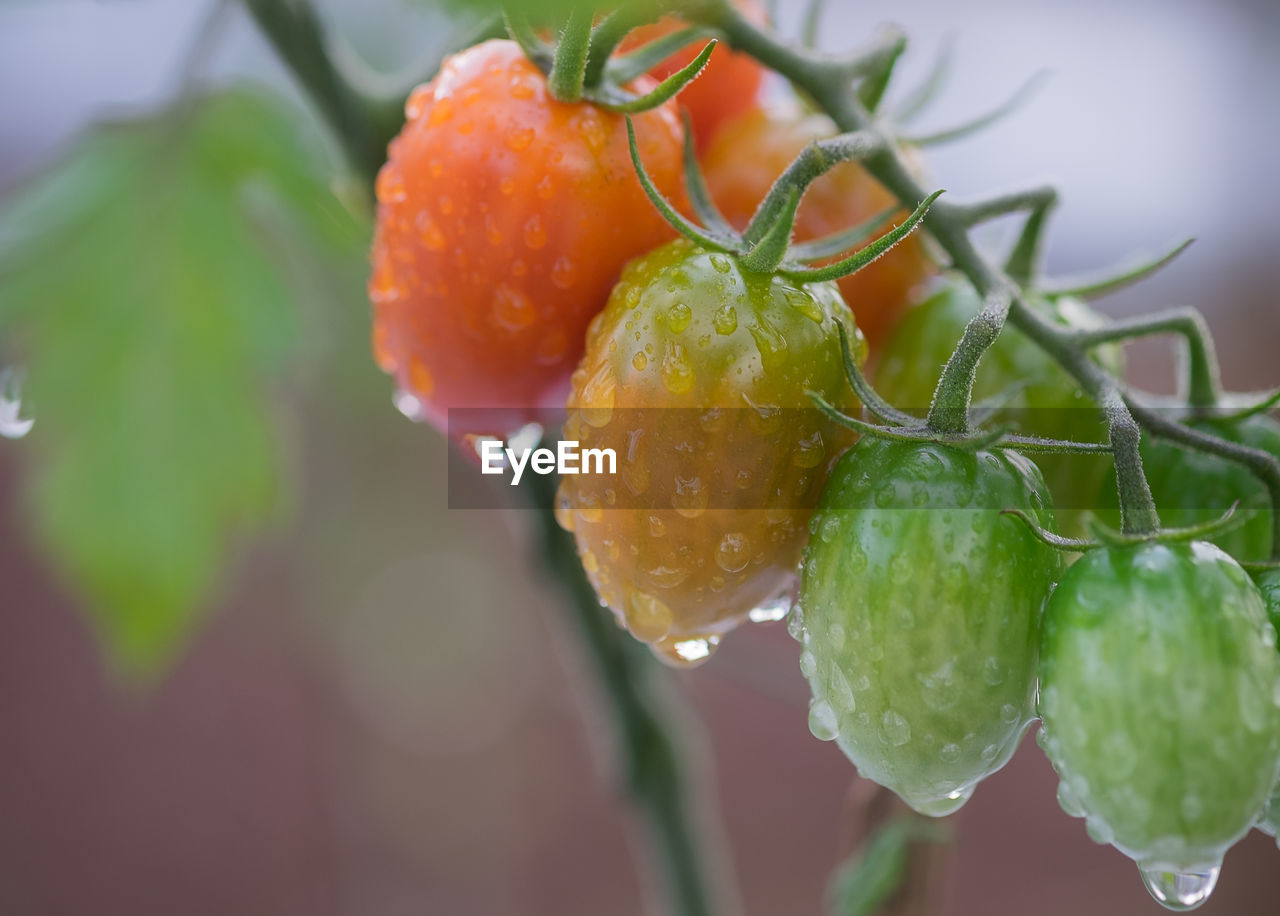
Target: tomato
749,154
1268,583
727,86
1158,682
1191,487
504,219
919,614
695,374
1048,402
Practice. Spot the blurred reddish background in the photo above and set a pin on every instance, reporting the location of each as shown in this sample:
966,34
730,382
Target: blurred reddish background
384,714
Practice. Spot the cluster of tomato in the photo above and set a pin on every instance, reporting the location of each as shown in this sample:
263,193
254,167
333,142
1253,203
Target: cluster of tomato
519,266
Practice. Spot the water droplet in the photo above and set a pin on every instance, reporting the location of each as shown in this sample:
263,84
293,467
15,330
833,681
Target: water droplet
941,807
677,373
545,188
563,274
770,343
678,317
840,692
822,720
564,507
648,619
1180,890
595,401
686,653
734,553
894,729
664,576
809,451
416,102
795,623
725,320
690,498
1068,801
389,185
949,753
808,663
512,309
519,140
770,611
492,233
721,263
408,405
430,233
804,304
885,495
535,234
12,426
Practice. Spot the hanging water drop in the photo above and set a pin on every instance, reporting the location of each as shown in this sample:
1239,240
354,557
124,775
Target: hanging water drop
406,403
822,720
12,426
1180,890
774,609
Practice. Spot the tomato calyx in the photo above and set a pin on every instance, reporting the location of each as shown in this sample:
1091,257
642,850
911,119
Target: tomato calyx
580,64
765,246
1106,536
898,425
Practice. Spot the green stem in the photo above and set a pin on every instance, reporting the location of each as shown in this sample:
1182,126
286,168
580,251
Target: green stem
1203,386
1025,260
568,71
646,738
815,160
359,122
1033,199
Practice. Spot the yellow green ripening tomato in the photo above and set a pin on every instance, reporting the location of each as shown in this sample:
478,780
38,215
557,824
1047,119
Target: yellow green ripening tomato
695,374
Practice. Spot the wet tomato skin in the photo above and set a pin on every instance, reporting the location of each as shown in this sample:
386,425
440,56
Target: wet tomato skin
1268,582
1158,679
1191,487
749,154
695,374
919,614
504,219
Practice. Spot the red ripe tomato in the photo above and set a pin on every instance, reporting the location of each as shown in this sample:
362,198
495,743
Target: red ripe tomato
726,88
504,219
748,155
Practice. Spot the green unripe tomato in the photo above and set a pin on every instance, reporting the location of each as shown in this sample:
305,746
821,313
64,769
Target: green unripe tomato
1191,487
1048,402
1158,691
1268,583
919,614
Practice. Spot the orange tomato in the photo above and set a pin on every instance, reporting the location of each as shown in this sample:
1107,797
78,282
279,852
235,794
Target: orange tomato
504,219
726,88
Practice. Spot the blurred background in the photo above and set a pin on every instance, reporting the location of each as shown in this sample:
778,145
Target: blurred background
381,711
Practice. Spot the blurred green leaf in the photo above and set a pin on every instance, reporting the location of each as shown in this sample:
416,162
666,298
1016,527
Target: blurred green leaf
139,278
869,878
